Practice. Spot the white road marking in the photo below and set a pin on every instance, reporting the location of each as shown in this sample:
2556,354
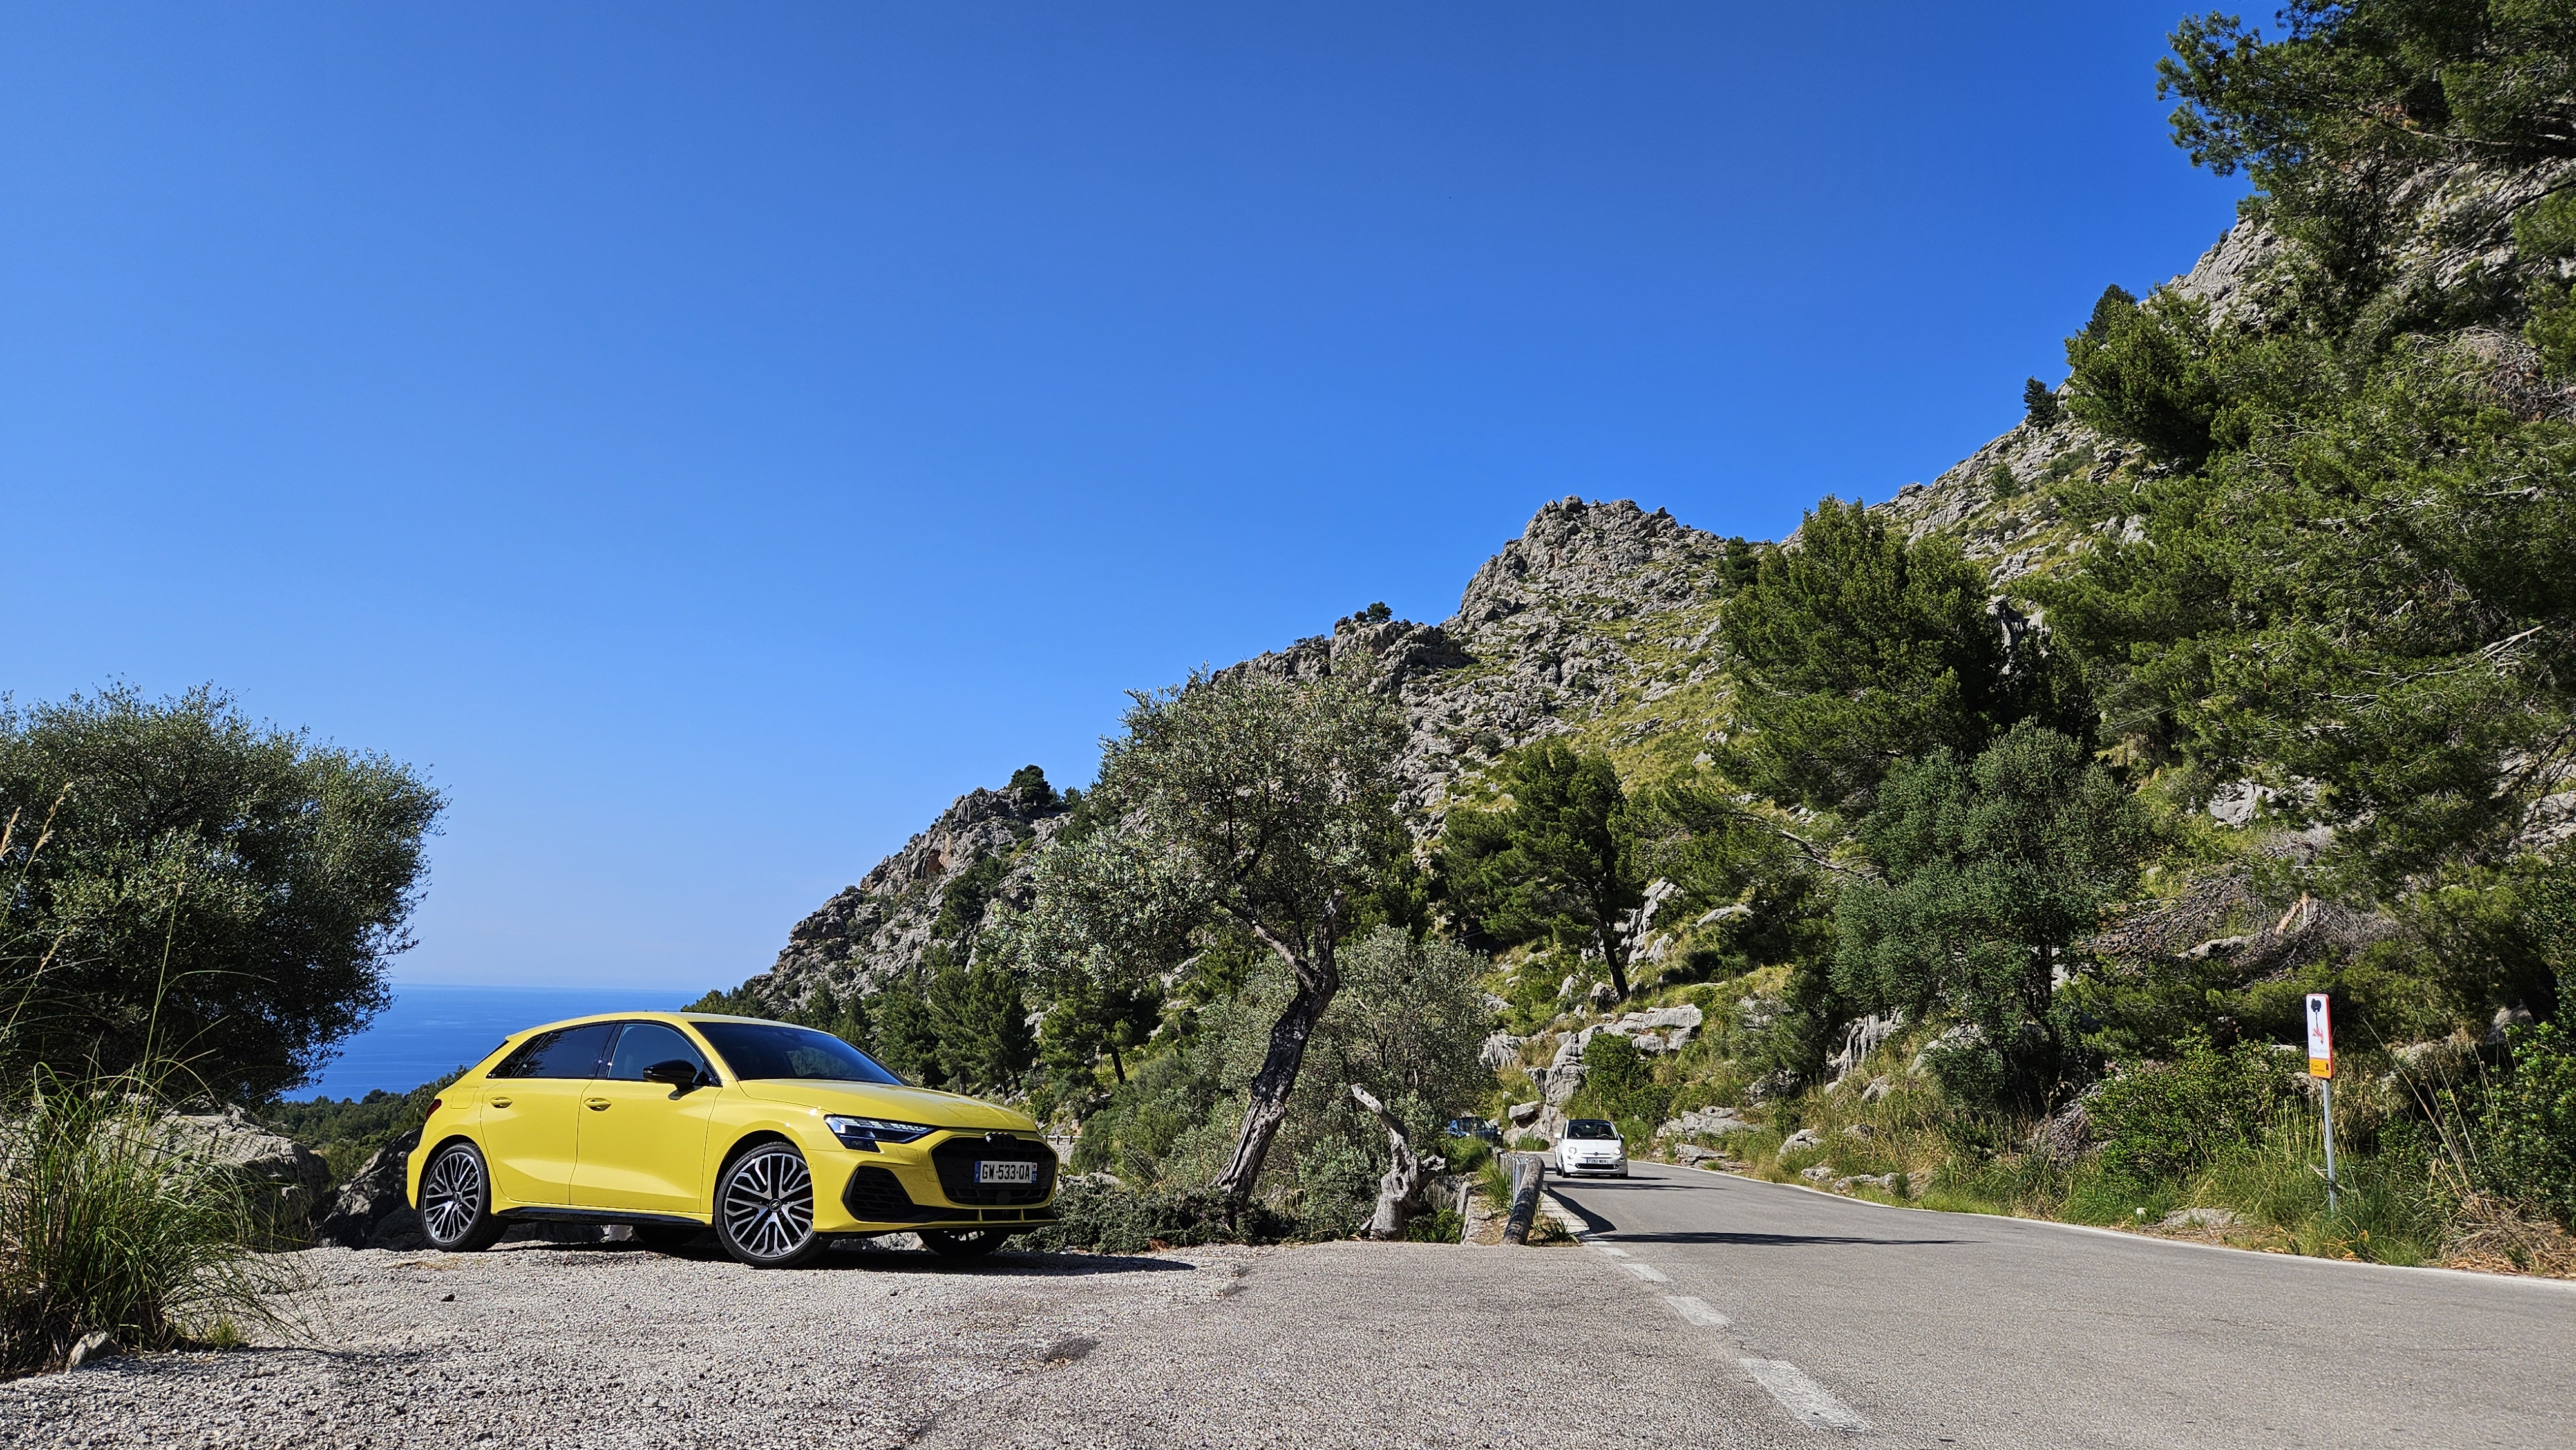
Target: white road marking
1612,1250
1803,1397
1698,1312
1647,1272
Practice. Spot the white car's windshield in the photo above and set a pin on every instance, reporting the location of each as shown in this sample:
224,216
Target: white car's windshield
1590,1128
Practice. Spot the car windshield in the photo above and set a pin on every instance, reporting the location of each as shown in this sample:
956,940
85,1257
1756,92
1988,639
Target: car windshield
1590,1128
775,1050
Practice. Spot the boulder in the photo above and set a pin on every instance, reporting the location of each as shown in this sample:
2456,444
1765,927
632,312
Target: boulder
1859,1041
1800,1141
372,1210
1704,1122
1862,1131
1885,1182
1501,1050
1563,1082
284,1177
1522,1115
1691,1155
2061,1137
2200,1218
1878,1089
1817,1174
1602,995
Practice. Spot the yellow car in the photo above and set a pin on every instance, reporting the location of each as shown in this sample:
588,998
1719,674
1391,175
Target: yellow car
779,1138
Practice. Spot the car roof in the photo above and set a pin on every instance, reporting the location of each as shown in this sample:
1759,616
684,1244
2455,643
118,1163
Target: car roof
587,1020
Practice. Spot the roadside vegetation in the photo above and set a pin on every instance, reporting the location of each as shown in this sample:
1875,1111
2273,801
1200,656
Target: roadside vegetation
193,908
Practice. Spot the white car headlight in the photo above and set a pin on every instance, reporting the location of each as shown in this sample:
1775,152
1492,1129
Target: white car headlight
869,1132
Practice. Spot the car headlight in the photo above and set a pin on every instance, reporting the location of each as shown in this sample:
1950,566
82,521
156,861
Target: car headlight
869,1132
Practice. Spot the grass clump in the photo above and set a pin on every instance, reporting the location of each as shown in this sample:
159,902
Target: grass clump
111,1222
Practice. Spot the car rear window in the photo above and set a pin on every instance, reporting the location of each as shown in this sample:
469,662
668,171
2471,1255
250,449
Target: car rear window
756,1050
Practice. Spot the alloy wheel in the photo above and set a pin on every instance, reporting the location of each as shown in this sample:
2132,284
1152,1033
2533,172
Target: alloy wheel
769,1204
451,1197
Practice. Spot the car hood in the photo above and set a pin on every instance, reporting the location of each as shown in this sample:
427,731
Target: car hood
903,1104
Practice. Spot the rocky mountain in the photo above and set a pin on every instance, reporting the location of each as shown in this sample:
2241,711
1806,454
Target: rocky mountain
1599,623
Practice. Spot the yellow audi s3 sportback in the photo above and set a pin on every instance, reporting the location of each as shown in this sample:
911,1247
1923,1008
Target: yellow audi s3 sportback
779,1138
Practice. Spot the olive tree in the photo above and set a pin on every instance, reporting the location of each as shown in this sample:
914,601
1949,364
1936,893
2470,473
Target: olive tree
1268,805
182,887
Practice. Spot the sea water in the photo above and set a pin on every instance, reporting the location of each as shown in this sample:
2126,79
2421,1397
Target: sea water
431,1031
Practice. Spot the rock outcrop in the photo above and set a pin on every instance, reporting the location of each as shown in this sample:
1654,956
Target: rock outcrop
373,1210
881,927
285,1179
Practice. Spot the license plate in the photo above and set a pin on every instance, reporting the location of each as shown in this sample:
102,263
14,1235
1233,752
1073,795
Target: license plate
989,1171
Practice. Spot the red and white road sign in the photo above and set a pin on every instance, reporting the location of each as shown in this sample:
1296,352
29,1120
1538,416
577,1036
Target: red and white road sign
2320,1037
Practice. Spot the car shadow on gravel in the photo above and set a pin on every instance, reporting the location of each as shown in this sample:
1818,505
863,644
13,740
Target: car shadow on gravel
871,1259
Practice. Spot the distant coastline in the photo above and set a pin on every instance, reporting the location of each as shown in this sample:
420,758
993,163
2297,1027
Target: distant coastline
431,1030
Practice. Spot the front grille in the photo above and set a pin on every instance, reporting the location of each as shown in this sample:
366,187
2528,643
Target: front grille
875,1195
956,1160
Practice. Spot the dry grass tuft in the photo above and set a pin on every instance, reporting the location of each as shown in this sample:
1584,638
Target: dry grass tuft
2496,1236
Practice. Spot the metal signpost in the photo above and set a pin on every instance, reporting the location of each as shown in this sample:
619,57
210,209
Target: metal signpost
2321,1067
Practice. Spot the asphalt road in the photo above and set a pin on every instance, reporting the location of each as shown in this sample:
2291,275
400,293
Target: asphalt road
1884,1325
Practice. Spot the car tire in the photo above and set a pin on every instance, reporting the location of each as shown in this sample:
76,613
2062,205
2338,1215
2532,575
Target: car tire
662,1238
972,1243
456,1201
765,1208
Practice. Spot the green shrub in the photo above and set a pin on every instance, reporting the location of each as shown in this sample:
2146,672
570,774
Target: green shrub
1435,1226
1617,1084
1101,1216
2171,1118
108,1223
2530,1122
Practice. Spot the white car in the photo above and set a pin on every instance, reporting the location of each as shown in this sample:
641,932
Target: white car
1591,1145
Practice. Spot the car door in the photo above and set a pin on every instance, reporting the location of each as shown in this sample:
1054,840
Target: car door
530,1104
643,1144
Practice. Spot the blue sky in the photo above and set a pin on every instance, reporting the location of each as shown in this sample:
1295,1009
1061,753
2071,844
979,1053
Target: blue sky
707,439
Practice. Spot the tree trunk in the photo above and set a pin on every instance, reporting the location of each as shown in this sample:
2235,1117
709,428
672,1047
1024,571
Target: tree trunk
1399,1192
1613,954
1318,976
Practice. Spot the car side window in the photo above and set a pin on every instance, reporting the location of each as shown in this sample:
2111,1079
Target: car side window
643,1044
564,1052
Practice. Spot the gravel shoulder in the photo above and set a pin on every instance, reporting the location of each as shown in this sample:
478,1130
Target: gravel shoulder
1326,1345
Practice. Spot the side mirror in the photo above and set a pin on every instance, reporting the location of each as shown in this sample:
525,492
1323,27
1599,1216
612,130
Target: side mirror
678,1072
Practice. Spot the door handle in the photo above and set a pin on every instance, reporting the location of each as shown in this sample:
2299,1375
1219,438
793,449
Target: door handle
498,1102
595,1104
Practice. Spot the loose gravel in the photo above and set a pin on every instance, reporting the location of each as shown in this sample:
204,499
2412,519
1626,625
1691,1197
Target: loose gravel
543,1345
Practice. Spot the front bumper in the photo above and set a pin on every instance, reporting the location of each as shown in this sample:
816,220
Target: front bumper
930,1184
1594,1165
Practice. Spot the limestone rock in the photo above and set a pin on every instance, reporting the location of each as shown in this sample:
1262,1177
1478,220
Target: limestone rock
2061,1137
1704,1122
372,1210
880,928
1800,1141
285,1177
2201,1218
